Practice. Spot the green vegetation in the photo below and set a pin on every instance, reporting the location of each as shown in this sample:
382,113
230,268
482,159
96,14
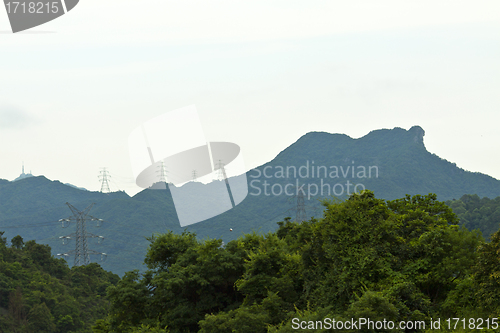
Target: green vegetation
406,259
475,213
40,294
32,207
401,260
413,258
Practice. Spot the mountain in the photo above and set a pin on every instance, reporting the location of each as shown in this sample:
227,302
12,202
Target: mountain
80,188
392,163
404,165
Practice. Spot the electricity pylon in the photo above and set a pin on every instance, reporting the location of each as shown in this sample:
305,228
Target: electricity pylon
222,176
299,205
163,172
300,211
81,252
103,177
221,173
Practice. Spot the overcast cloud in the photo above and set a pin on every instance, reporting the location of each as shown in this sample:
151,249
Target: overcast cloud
12,117
261,73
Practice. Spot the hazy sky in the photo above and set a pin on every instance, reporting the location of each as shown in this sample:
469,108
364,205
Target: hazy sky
261,74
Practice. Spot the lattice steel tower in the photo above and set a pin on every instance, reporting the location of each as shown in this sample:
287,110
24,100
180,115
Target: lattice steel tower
300,215
223,176
103,177
221,173
81,252
162,172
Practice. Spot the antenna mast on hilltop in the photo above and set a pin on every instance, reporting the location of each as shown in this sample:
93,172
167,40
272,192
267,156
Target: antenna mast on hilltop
103,177
81,252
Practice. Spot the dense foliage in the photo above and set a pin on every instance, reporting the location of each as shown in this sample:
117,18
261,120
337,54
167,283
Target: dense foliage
477,213
40,294
406,259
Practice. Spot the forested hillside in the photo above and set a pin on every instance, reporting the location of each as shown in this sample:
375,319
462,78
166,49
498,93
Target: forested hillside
39,293
476,213
401,260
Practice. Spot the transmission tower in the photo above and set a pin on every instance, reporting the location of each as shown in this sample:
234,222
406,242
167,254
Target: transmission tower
81,252
299,205
194,175
221,173
300,215
162,172
103,177
222,176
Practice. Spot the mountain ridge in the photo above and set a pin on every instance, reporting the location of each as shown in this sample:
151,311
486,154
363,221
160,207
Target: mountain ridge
404,166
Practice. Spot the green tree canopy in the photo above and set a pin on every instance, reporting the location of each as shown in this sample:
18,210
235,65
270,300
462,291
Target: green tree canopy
403,259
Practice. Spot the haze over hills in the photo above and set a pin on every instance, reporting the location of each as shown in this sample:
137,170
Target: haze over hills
392,163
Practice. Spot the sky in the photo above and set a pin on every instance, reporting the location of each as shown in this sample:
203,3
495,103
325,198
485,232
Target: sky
261,74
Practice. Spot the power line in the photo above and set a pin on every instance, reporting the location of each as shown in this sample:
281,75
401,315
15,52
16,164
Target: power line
32,225
81,252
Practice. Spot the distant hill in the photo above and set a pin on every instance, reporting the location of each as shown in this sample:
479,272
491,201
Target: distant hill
3,182
404,164
392,163
80,188
476,213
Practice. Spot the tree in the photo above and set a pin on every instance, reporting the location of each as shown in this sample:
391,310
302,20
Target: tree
17,310
486,277
395,260
17,242
129,303
3,240
375,306
40,319
41,294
